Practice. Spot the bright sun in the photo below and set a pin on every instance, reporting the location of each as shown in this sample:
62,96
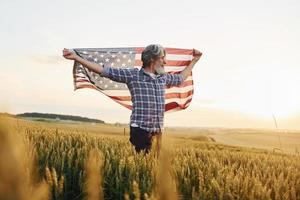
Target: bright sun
261,91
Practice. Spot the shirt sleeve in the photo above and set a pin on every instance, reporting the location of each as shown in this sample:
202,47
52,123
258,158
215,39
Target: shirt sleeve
118,74
174,79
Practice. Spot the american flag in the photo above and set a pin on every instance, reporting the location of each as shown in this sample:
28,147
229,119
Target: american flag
176,97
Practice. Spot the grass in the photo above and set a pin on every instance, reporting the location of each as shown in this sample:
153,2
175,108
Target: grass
98,162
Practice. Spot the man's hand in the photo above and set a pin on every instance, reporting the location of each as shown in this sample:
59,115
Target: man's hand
95,67
69,54
197,54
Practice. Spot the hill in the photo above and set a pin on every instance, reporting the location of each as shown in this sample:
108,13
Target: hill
56,117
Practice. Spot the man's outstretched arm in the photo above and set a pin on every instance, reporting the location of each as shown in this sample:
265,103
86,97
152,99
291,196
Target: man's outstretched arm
122,75
185,73
88,64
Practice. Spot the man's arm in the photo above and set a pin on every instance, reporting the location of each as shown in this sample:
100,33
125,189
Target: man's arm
71,55
185,73
90,65
122,75
178,79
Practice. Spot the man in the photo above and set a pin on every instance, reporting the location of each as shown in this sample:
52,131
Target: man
147,89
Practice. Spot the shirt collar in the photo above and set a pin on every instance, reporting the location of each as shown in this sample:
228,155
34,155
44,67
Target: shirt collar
144,72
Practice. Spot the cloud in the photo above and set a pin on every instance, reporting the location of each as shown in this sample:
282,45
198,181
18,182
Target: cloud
46,59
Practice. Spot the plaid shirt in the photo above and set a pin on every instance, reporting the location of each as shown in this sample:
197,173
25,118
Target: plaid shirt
147,94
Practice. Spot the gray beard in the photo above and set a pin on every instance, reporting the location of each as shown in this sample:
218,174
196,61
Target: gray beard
160,70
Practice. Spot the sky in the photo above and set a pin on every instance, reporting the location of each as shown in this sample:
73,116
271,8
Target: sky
249,70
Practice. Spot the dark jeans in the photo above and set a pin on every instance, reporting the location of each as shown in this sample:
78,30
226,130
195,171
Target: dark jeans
141,139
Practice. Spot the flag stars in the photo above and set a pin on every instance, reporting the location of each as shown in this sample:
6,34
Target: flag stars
111,58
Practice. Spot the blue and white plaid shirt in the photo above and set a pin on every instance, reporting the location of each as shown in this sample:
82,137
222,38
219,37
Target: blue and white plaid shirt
147,94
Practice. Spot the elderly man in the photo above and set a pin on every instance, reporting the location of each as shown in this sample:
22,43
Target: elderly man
147,89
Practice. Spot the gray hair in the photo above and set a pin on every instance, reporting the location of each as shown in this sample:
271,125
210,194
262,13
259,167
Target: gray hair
151,51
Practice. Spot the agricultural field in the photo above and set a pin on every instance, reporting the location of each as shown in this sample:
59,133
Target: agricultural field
42,160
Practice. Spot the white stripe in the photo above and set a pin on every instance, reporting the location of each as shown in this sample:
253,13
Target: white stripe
174,68
129,103
81,74
81,78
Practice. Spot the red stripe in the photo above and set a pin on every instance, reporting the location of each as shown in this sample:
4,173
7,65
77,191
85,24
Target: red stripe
85,86
180,95
78,76
82,80
172,105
